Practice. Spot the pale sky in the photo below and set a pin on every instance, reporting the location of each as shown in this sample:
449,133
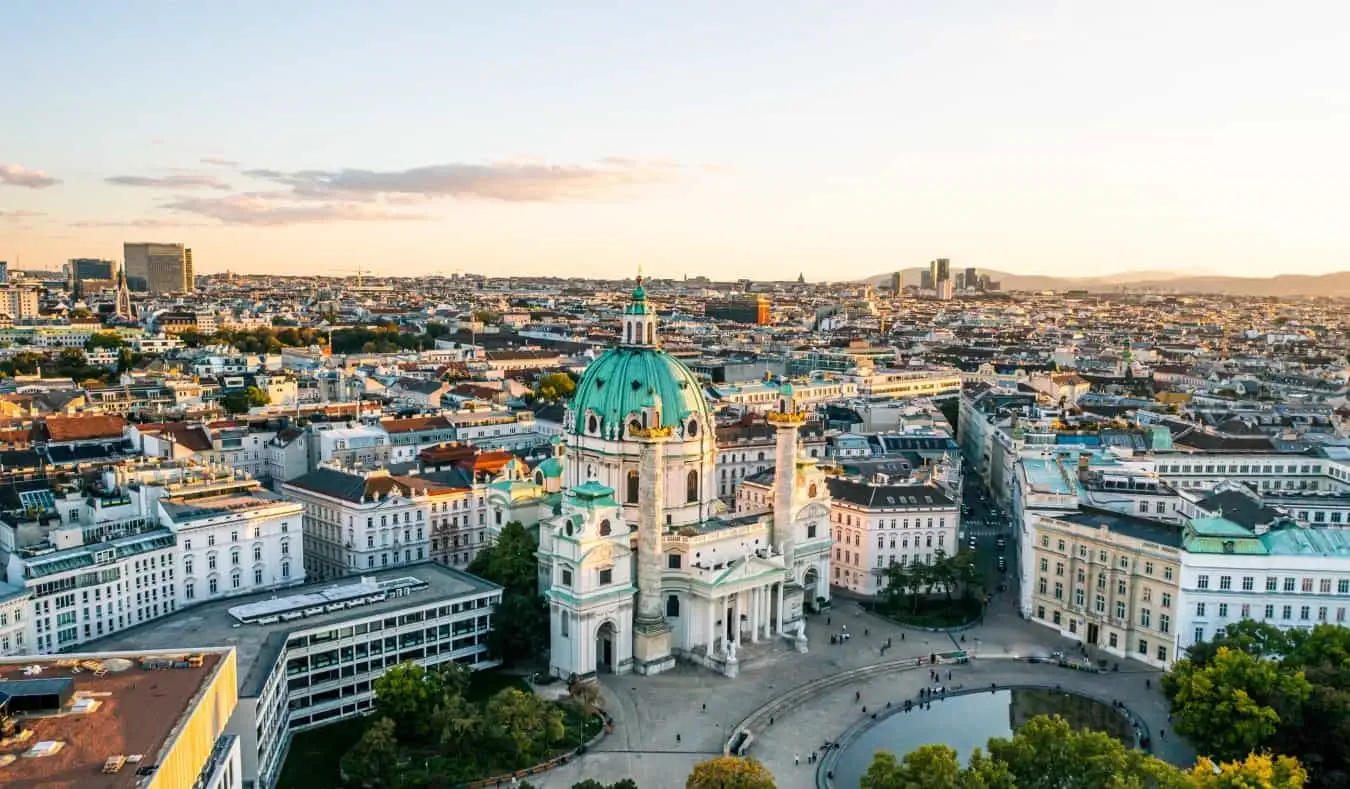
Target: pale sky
756,139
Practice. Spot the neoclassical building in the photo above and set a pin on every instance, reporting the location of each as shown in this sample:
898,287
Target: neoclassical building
640,562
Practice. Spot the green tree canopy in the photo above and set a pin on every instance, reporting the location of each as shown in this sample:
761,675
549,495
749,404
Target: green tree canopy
730,772
553,387
1228,708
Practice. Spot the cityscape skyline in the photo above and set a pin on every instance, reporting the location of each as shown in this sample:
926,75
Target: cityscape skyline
753,141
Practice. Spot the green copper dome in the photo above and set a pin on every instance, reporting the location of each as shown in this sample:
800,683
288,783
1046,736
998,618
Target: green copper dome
624,380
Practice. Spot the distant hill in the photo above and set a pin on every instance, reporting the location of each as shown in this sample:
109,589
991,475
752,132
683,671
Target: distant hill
1335,285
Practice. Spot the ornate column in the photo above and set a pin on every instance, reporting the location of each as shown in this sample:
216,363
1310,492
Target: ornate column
786,421
778,626
711,611
651,636
736,617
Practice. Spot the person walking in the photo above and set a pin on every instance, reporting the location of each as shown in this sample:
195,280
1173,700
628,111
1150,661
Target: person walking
796,759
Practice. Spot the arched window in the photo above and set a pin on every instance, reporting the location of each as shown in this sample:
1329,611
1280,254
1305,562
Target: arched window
605,528
592,425
634,426
811,491
651,334
632,497
693,428
538,477
691,487
672,606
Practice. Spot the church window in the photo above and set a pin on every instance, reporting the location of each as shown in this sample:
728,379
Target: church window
632,491
811,492
693,428
604,528
691,487
562,624
592,425
672,606
810,531
673,561
634,426
566,577
651,334
606,576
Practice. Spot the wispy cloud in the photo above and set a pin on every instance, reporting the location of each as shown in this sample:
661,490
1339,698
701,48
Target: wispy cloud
272,209
170,182
92,223
19,214
217,161
506,181
18,175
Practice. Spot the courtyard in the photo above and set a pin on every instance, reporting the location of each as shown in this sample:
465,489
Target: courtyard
662,728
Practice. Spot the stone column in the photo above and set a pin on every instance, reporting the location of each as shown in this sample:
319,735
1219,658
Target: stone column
736,617
779,624
711,611
786,424
651,638
754,615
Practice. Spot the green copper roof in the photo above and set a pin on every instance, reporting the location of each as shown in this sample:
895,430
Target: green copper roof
592,495
616,385
1219,527
552,467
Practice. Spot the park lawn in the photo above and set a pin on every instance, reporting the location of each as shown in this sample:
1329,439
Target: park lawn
934,612
312,762
315,755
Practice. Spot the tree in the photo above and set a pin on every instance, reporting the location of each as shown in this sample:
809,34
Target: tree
927,767
404,696
1226,708
373,761
730,772
105,340
554,387
510,561
1047,751
520,627
256,396
1257,771
523,725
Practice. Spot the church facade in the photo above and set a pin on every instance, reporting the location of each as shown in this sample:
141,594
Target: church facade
640,563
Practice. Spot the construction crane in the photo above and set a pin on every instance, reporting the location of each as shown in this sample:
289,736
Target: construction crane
359,272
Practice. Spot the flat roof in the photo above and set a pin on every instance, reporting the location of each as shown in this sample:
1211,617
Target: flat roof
1126,525
133,711
190,507
258,645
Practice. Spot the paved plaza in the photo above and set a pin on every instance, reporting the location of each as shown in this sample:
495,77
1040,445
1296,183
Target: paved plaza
662,728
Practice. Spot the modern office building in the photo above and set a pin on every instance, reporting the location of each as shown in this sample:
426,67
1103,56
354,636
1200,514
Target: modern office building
972,278
147,719
309,656
90,275
158,268
897,283
747,309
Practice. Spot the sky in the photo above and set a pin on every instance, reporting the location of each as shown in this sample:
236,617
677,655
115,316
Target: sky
750,138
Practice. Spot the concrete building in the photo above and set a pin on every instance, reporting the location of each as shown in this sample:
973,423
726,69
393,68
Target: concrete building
745,450
158,268
876,524
90,275
309,657
19,301
746,309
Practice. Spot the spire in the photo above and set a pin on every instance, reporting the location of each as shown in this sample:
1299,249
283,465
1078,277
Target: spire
639,319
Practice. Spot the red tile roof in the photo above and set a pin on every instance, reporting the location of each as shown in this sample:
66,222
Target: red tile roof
84,427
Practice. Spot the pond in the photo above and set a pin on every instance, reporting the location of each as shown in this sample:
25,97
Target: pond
966,722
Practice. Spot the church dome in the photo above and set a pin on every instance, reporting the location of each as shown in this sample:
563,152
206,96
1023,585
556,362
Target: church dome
625,380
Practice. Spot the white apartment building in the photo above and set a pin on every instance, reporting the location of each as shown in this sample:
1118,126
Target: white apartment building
359,521
873,524
234,538
746,450
887,383
82,591
1291,576
311,656
761,397
16,621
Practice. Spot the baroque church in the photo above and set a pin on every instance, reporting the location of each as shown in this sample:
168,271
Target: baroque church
639,562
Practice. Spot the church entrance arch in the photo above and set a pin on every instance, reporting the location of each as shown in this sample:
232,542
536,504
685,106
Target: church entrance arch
810,588
606,642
